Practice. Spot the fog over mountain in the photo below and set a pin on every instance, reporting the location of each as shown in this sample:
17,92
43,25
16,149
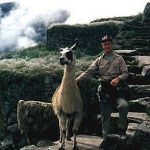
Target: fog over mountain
25,25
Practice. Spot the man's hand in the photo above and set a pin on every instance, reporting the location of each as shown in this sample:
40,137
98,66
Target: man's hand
115,81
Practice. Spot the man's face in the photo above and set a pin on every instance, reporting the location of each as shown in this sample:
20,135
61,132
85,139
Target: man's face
107,46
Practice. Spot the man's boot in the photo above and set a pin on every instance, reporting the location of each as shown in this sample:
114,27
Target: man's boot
122,131
101,146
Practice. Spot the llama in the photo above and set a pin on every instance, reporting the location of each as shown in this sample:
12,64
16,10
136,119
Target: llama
67,102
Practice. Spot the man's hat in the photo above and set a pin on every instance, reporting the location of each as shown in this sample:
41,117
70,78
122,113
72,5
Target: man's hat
106,38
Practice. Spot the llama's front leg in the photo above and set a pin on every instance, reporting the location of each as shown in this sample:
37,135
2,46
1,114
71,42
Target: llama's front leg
77,121
67,128
62,125
60,131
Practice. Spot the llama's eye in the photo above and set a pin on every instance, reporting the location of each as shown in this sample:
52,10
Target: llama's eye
69,55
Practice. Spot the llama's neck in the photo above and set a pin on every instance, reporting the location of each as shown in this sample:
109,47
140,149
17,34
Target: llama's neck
69,72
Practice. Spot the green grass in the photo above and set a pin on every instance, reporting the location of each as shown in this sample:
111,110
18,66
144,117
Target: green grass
37,60
33,73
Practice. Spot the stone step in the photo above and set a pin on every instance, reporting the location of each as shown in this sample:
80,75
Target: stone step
134,69
146,71
136,51
139,105
139,91
130,60
134,117
142,136
132,127
142,60
137,43
139,79
127,52
85,142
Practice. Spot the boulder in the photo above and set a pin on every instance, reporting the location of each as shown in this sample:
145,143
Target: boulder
7,143
142,136
37,121
115,142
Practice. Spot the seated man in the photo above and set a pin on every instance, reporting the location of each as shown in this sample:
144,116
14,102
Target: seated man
111,69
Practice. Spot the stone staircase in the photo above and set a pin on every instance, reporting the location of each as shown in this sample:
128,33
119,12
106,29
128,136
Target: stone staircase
134,42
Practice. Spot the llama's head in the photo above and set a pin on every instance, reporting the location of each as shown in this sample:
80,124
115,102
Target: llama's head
67,55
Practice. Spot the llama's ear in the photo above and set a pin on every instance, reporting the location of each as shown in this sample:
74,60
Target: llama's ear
74,47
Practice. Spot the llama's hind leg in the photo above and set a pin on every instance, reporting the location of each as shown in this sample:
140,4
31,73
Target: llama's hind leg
62,125
67,128
77,121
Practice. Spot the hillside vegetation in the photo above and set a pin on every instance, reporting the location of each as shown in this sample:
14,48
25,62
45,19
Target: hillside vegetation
33,73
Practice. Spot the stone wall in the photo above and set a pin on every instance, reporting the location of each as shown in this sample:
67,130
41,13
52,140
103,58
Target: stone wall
89,35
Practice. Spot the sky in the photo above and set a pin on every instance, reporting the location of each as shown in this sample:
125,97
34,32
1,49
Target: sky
84,11
26,26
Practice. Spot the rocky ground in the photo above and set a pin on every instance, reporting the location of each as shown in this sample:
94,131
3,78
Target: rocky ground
33,117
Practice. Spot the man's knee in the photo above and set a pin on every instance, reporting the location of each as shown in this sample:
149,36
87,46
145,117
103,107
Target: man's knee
123,105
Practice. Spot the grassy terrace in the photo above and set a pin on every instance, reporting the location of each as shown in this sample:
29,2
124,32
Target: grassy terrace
33,74
38,60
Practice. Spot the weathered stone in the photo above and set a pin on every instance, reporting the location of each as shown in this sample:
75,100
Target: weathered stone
148,109
89,35
138,79
2,123
85,142
142,136
33,147
115,142
132,127
12,119
139,105
13,129
146,14
7,143
140,91
146,71
133,117
126,52
44,143
143,60
37,121
144,51
134,69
